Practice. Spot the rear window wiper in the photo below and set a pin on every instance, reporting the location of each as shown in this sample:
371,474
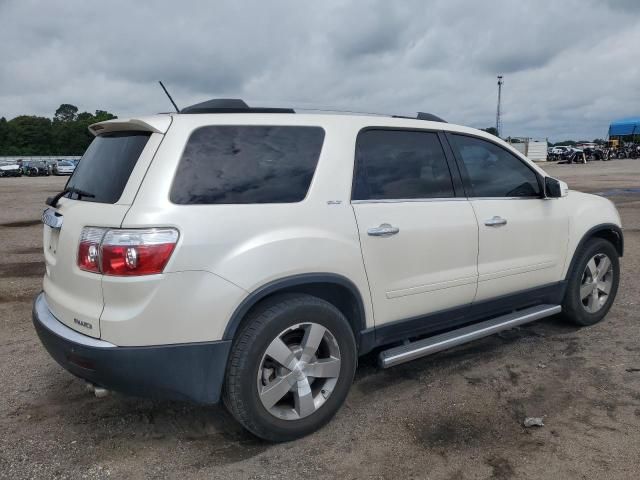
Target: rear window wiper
53,201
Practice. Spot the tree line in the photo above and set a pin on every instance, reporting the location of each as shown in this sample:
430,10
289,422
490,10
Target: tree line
65,134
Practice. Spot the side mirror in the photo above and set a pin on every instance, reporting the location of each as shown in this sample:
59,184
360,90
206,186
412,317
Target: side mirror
554,188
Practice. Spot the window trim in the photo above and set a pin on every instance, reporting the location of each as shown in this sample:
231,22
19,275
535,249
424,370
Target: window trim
456,182
465,174
195,129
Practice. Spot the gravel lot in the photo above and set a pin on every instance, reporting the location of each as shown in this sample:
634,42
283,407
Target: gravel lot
455,415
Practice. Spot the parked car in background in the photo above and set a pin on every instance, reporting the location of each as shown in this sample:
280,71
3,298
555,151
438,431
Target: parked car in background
594,153
10,171
560,149
587,145
572,155
254,256
63,167
35,168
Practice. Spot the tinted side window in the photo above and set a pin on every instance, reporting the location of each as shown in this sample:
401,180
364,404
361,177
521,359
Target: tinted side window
397,164
494,172
107,165
247,164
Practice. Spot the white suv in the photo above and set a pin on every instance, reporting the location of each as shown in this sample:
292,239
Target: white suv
252,254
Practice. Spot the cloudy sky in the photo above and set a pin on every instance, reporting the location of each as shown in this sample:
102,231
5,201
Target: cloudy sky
570,66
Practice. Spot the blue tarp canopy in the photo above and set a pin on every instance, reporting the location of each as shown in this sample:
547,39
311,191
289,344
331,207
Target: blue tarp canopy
625,126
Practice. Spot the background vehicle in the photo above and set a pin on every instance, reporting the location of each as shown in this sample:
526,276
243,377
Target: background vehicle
594,153
572,155
35,168
10,171
587,145
560,149
558,153
63,167
253,256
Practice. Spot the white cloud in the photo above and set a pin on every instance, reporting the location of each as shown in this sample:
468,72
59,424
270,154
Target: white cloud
570,67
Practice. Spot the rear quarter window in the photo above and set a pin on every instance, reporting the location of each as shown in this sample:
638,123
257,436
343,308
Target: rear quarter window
247,164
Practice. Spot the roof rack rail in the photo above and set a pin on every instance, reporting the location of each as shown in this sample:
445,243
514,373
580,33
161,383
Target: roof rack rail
430,117
231,105
422,116
237,105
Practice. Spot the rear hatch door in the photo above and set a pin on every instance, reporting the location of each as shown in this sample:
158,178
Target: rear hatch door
110,171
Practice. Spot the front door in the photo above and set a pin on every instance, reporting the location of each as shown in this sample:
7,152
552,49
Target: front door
419,240
523,236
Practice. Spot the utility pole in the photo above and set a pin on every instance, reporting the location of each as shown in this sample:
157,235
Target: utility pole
498,111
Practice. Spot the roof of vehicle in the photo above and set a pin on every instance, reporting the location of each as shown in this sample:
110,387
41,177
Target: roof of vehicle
231,111
160,123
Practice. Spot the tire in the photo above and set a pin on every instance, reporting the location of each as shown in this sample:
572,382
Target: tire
289,320
592,308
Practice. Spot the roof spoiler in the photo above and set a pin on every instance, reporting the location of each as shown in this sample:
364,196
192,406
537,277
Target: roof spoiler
155,124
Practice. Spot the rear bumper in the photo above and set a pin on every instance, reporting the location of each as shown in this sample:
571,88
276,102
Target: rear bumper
192,371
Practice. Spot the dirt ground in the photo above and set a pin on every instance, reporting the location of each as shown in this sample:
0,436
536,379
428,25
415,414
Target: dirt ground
455,415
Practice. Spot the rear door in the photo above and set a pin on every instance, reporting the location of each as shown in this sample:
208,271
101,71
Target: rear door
419,240
523,236
110,172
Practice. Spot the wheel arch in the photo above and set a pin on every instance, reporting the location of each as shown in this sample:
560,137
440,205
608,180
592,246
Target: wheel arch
336,289
607,231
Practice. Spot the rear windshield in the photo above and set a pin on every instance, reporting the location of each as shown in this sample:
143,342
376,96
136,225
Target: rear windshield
247,164
106,166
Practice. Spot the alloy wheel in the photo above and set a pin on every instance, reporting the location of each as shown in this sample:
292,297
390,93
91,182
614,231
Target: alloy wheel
298,371
597,280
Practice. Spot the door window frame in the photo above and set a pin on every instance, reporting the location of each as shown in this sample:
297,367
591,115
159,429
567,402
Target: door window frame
457,183
462,169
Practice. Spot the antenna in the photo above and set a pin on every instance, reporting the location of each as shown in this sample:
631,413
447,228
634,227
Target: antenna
170,99
499,109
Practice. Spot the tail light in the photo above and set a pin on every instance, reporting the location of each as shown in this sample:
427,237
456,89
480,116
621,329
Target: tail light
89,249
121,252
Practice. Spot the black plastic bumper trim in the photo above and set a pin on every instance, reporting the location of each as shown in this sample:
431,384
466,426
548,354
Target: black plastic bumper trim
189,371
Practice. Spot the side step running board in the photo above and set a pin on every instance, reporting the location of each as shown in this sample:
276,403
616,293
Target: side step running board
427,346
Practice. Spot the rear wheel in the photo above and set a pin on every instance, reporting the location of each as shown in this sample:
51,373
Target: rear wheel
592,283
291,367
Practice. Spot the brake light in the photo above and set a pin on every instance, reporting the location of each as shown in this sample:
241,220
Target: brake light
89,249
128,252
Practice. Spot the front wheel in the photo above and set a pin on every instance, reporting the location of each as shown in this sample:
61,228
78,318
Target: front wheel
291,367
592,283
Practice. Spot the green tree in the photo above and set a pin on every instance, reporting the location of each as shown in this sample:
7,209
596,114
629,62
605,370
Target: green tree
4,131
67,134
102,115
28,135
65,113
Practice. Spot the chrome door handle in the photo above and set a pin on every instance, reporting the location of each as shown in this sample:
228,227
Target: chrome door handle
495,221
384,230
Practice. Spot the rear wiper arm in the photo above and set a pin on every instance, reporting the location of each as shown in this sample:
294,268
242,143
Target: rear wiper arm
53,201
